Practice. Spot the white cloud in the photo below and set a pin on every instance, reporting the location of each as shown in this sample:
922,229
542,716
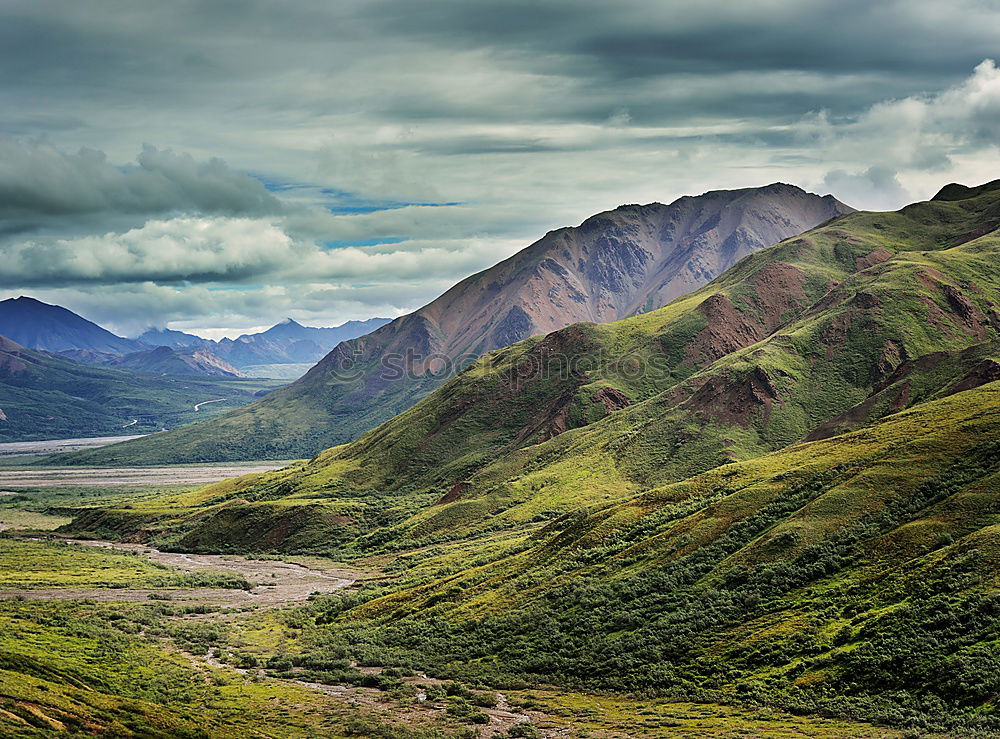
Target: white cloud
180,249
232,250
877,187
916,140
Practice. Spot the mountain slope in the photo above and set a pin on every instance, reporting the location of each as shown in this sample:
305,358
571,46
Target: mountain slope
854,576
875,311
37,325
166,361
43,396
780,490
171,338
614,265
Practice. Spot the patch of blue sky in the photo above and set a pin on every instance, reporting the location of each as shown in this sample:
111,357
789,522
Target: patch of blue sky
277,186
378,241
345,203
342,202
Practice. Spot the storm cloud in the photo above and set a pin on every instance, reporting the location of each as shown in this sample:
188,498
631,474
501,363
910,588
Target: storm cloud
224,164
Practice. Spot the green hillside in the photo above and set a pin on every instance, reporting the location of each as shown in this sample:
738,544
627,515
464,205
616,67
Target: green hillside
46,397
855,576
866,316
780,490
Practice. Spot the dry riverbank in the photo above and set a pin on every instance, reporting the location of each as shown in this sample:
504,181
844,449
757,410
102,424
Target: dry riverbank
276,583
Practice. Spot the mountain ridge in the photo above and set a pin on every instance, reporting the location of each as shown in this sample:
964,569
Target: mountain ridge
287,342
38,325
793,337
183,361
613,265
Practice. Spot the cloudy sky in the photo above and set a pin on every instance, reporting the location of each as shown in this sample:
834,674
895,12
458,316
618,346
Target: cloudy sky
217,165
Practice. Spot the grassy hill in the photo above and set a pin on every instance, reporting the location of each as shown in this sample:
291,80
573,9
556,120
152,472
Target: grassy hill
865,316
43,396
855,576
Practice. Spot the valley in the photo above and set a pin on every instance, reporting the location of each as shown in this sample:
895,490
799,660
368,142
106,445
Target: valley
54,446
46,396
270,583
154,643
128,477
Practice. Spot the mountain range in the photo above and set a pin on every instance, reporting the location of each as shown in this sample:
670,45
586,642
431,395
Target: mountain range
44,395
65,376
288,342
779,489
615,264
164,360
41,326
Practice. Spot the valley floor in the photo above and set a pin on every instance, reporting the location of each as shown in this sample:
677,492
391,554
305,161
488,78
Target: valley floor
106,637
370,711
53,446
107,477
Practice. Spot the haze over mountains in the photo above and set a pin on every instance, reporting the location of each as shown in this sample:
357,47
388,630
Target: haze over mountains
614,265
287,342
37,325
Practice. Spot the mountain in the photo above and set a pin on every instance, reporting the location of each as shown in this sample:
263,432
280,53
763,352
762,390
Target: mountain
45,396
779,490
87,356
821,334
614,265
166,361
171,338
163,360
37,325
288,342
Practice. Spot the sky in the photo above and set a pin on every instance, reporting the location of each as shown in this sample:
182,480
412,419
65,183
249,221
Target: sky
218,165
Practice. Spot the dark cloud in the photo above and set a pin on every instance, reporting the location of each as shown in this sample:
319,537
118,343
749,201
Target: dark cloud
41,181
364,114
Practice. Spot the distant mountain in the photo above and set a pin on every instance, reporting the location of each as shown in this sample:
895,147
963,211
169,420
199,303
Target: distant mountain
171,338
167,361
164,360
37,325
88,356
45,396
288,342
614,265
